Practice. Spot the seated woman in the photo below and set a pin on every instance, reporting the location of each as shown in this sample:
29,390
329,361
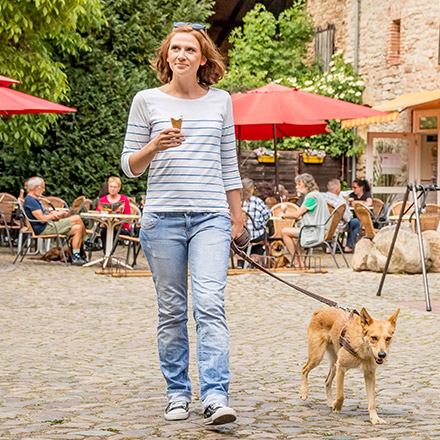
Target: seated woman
114,186
361,193
314,214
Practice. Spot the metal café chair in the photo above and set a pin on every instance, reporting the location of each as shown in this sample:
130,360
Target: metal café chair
8,204
330,241
364,216
51,202
30,235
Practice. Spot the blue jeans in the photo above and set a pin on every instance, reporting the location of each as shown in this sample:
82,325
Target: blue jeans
172,243
353,230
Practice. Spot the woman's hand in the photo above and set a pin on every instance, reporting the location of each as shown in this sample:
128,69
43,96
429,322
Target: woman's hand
234,202
237,229
168,138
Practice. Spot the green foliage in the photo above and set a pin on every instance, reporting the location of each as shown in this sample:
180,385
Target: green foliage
32,35
266,47
341,82
83,149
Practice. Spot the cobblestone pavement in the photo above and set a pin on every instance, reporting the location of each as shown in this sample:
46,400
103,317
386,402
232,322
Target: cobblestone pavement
79,358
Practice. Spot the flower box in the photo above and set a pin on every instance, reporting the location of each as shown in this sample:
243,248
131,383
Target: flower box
311,158
265,158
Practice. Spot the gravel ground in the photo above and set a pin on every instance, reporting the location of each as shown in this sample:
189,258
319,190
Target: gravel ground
79,358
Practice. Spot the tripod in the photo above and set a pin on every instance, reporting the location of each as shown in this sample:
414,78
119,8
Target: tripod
418,192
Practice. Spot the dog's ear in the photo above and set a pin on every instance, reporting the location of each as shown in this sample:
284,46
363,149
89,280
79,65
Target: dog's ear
366,319
393,319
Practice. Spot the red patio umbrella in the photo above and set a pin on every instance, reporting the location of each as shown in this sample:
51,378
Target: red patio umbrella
275,111
14,102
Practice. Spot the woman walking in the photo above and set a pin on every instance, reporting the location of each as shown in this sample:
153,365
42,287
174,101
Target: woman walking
193,183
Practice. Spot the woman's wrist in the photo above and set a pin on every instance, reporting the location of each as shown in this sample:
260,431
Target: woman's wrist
152,147
238,222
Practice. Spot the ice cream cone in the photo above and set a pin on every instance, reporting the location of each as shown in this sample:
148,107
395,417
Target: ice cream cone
177,123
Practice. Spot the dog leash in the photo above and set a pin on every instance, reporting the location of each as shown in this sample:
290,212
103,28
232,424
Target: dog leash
239,244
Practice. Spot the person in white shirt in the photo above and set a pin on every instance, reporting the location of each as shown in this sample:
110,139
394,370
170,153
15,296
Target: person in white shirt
193,184
352,224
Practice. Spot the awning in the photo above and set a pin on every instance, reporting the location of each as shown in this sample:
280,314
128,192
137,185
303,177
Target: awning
395,106
350,123
408,100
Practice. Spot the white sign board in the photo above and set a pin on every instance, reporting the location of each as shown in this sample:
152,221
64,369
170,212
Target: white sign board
391,163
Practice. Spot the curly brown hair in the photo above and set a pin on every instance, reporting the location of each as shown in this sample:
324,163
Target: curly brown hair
308,181
207,75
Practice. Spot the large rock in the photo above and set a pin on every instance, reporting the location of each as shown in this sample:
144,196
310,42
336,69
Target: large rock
405,257
360,256
433,238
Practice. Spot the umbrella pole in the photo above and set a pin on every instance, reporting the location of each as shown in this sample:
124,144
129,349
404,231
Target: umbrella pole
239,146
277,189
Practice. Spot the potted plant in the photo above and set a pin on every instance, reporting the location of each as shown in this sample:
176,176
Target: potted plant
313,156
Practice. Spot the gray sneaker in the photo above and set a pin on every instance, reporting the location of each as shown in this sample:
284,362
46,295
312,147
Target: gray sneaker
218,414
79,262
177,410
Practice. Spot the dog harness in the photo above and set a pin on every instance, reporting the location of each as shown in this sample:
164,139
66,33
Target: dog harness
343,342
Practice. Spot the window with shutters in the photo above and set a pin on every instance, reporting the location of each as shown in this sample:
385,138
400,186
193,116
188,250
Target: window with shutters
324,46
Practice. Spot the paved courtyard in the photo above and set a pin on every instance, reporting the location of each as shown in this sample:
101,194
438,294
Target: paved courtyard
79,358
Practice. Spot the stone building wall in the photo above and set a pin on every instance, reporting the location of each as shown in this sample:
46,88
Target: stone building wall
341,14
389,69
417,68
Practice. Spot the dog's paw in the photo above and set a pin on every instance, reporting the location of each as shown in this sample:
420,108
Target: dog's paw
337,406
303,393
330,403
376,420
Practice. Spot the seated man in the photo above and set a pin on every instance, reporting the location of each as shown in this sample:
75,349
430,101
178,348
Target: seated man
259,212
333,196
284,193
66,225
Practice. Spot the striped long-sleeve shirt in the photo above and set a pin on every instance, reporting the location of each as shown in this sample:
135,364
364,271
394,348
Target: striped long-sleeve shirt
196,175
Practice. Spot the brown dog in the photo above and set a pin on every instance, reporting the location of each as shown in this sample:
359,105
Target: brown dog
351,341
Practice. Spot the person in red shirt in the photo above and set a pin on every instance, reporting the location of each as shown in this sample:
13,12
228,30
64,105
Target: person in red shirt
114,186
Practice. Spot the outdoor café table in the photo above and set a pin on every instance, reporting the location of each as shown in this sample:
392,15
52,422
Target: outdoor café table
394,218
109,221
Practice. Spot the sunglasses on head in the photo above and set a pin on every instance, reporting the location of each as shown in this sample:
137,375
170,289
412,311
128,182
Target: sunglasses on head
195,26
